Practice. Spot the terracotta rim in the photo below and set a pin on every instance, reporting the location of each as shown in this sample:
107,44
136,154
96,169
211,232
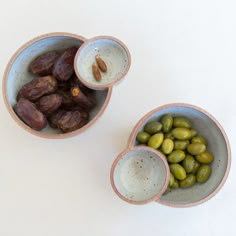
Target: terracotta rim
94,86
156,196
143,119
9,107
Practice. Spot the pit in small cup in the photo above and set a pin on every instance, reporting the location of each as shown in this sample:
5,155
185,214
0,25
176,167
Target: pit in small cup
112,51
139,175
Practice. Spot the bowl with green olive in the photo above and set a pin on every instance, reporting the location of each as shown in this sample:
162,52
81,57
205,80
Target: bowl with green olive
195,146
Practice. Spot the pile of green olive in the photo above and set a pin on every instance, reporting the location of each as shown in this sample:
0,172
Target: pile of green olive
185,150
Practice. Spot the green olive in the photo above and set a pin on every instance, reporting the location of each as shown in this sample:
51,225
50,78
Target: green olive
195,167
178,171
203,173
189,181
175,184
156,140
199,139
167,146
143,137
182,133
181,144
205,157
188,163
169,135
182,122
167,122
196,148
176,156
193,132
172,180
153,127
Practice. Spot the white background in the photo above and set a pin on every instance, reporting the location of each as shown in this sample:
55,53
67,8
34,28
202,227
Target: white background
182,51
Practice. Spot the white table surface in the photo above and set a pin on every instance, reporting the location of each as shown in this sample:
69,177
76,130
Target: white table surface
182,51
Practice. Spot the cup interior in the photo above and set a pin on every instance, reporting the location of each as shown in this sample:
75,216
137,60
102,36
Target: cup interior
17,74
218,144
113,52
140,175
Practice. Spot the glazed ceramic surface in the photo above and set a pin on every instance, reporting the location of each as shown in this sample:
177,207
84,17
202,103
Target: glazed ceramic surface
140,175
17,74
218,144
114,53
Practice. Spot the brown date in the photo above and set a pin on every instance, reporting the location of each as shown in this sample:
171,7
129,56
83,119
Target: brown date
49,103
44,63
67,100
58,98
74,81
63,85
85,102
75,108
54,117
38,87
64,66
28,112
69,121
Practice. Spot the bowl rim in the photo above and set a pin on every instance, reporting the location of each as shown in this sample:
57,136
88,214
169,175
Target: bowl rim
222,182
108,85
143,148
10,109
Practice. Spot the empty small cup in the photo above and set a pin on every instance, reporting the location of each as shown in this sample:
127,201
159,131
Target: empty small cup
140,175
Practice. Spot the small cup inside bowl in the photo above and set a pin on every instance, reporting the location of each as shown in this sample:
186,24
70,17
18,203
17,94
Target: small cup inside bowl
218,145
112,51
17,74
139,175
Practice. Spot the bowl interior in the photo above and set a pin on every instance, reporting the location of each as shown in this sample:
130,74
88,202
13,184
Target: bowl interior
140,175
114,54
216,144
18,72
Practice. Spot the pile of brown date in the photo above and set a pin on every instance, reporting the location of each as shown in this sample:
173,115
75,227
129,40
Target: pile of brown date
56,96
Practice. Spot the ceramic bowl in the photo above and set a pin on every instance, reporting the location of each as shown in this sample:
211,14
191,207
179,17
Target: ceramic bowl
218,144
113,52
139,175
17,74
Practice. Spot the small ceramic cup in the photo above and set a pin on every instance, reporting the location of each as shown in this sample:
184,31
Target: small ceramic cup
139,175
112,51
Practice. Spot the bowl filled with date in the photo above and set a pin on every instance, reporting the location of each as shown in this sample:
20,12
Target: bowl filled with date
42,92
195,147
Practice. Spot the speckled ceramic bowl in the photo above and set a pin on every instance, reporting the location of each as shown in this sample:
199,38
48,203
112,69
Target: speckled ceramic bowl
139,175
218,144
17,74
113,52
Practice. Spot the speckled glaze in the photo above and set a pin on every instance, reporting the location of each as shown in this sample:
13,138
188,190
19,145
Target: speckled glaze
139,175
17,74
218,144
114,53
